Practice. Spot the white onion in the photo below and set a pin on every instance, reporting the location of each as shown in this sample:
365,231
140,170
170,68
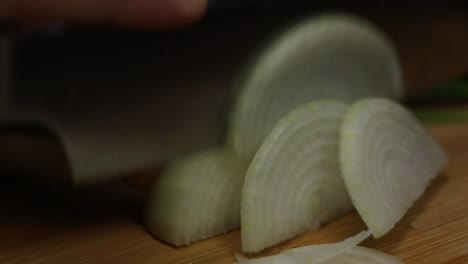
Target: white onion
313,254
331,56
363,255
293,183
197,197
387,160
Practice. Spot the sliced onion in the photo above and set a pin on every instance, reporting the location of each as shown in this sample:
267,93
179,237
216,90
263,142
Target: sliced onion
311,254
293,183
387,160
330,56
363,255
197,197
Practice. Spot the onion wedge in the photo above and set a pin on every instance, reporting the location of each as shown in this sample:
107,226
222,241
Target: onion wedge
197,197
387,160
330,56
293,184
313,254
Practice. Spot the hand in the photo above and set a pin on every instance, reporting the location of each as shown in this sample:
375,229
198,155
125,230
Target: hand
146,14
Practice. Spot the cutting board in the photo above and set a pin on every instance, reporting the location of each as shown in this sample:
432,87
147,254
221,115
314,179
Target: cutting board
40,226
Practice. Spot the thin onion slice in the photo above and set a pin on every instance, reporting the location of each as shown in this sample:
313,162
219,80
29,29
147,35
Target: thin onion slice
387,160
331,56
197,197
311,254
293,183
363,255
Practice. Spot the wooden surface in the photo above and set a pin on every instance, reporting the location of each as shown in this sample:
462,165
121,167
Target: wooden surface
44,225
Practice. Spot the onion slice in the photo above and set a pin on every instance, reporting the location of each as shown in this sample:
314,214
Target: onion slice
330,56
363,255
198,196
387,160
293,183
311,254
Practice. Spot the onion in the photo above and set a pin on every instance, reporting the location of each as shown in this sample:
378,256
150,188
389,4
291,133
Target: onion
197,197
311,254
363,255
387,160
293,183
330,56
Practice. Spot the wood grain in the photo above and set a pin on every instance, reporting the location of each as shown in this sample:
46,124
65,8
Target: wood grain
56,229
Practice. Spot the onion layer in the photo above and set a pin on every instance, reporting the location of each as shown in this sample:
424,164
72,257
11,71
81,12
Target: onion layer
363,255
313,254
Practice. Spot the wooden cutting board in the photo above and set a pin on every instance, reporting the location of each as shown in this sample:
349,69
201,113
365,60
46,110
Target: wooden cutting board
38,227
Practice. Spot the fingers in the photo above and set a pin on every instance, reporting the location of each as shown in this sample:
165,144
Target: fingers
151,14
158,13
